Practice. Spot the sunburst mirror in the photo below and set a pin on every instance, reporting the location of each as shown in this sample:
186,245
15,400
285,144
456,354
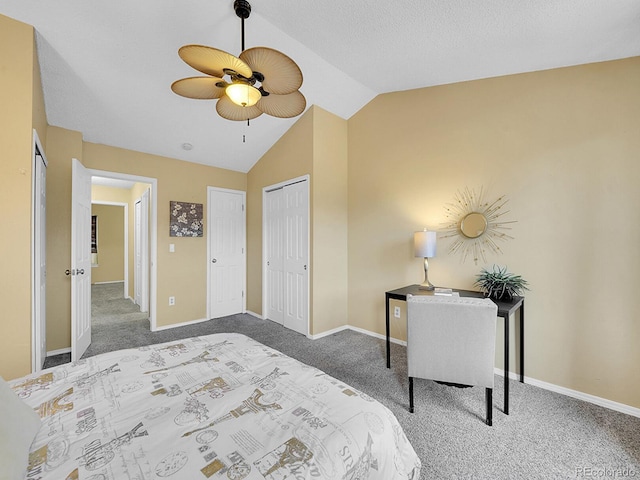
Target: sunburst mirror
475,224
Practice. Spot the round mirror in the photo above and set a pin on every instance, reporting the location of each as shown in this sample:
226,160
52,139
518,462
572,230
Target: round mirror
473,225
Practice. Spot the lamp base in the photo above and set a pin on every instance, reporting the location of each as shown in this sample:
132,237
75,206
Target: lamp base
426,285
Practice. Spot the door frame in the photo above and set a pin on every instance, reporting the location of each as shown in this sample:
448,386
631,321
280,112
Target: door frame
244,245
153,235
126,239
265,277
37,237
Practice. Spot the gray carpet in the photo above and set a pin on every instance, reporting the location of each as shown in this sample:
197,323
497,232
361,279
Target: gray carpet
108,306
546,435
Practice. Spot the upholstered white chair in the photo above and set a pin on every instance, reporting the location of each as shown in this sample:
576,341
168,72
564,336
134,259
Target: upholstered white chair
452,340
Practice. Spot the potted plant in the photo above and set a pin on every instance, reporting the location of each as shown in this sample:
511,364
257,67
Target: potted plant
499,284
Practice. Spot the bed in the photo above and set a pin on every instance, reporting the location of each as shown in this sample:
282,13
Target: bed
215,406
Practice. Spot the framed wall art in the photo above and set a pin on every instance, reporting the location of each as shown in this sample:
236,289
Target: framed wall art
185,219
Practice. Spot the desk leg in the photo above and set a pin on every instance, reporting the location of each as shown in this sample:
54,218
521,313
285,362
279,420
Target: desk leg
386,311
506,364
522,342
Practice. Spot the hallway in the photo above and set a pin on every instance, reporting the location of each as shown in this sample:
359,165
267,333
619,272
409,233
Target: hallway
109,307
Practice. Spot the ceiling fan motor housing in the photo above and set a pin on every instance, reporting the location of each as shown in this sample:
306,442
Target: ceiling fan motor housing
242,8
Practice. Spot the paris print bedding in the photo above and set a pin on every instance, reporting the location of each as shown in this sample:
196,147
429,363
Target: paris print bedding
216,406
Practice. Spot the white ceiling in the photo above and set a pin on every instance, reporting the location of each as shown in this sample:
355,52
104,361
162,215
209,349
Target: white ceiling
107,67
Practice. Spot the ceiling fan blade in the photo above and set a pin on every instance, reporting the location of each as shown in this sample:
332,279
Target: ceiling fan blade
200,88
212,61
281,74
283,106
229,110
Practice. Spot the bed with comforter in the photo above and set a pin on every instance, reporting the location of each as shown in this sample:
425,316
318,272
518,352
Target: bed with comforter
216,406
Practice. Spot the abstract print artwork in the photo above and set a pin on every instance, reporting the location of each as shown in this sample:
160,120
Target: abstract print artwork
185,219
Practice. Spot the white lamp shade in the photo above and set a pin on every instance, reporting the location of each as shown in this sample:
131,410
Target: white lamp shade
424,244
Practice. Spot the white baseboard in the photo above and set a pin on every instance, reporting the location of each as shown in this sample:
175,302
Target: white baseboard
253,314
603,402
60,351
105,283
328,332
192,322
377,335
183,324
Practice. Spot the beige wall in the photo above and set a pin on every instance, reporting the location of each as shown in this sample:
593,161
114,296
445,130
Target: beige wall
290,157
62,146
329,237
182,274
110,267
16,124
128,196
316,145
563,146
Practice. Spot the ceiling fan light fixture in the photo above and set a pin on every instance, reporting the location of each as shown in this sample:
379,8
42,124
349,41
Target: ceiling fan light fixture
243,94
232,80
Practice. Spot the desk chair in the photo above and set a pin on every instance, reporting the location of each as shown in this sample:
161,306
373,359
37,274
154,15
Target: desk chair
452,340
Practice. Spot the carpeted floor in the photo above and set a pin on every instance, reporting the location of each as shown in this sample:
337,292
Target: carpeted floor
546,435
109,307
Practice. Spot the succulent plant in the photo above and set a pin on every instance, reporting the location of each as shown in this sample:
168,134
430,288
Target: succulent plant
499,284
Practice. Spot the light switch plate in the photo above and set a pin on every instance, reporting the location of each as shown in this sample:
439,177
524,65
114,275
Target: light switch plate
172,247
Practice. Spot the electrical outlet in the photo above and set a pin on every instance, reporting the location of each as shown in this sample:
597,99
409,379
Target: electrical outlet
396,312
172,300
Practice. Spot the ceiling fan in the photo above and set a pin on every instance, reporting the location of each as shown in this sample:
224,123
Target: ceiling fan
261,79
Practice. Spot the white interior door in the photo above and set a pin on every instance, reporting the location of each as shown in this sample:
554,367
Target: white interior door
40,257
141,252
286,225
80,260
226,235
296,236
274,224
137,253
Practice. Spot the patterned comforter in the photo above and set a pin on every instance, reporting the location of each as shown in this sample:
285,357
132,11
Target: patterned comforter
216,406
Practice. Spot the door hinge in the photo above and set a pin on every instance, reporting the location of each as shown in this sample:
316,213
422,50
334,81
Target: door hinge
243,207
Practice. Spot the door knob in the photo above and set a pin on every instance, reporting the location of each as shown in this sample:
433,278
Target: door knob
81,271
214,260
67,272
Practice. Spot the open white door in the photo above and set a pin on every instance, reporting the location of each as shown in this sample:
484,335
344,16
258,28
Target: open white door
226,235
39,256
141,252
80,260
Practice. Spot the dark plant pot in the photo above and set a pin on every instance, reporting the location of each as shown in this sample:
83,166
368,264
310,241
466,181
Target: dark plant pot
505,297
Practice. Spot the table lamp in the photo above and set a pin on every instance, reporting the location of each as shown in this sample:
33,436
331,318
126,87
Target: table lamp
424,246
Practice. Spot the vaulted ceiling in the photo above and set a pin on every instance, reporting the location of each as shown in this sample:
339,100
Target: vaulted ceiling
107,66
